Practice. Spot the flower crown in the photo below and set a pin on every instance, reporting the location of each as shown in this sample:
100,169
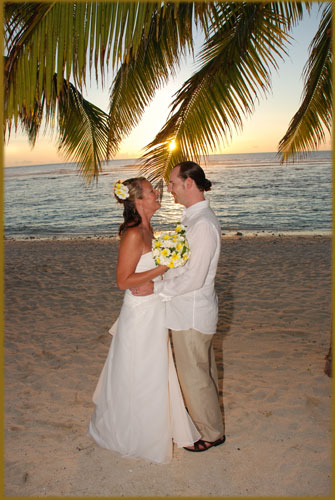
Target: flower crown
121,191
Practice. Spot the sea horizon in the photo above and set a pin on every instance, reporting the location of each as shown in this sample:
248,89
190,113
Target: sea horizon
138,159
252,194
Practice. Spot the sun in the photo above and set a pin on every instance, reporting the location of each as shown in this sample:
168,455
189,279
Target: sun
172,145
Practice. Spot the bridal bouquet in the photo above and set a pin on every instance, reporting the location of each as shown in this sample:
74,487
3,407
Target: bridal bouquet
171,248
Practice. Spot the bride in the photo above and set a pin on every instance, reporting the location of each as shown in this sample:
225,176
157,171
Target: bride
139,407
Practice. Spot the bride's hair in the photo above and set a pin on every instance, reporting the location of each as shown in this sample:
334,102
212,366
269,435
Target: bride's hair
131,217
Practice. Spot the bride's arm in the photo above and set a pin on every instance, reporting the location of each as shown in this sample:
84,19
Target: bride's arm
130,251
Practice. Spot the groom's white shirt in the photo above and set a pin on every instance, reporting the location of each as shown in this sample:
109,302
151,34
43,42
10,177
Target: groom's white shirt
191,301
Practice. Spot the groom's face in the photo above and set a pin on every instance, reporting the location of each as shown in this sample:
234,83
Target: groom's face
176,186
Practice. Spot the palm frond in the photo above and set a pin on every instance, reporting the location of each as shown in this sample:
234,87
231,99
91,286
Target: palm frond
58,37
159,165
49,43
82,127
83,131
291,12
157,59
307,128
235,69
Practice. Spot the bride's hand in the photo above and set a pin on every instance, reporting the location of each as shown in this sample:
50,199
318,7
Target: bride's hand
148,287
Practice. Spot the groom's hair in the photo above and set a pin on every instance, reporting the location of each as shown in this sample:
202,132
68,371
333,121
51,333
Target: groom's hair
195,172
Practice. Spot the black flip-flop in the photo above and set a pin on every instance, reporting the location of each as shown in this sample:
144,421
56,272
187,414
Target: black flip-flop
206,445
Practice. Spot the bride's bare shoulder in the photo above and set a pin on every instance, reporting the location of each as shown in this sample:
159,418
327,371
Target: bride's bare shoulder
132,236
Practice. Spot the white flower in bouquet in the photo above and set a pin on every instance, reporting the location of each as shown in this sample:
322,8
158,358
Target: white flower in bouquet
171,248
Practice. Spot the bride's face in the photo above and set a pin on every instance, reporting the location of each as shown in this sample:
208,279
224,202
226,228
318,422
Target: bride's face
149,200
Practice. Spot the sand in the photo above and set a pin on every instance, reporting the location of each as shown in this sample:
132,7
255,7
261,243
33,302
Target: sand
273,335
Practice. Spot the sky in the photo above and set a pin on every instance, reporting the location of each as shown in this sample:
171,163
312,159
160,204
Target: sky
261,132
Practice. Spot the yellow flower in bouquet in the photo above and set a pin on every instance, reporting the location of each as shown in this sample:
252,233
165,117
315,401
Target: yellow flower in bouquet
171,248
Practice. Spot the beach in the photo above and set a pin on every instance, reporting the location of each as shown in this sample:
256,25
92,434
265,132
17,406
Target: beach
273,334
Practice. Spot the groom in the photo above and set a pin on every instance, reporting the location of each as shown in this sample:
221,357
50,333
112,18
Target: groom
191,301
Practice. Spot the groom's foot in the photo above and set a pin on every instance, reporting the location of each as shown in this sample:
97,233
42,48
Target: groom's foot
204,445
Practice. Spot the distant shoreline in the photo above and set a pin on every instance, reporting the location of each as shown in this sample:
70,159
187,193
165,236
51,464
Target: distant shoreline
138,159
225,235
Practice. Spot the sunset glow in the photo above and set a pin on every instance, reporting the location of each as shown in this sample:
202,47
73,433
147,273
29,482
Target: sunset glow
172,145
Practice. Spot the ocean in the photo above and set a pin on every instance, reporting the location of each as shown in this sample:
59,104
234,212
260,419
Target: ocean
251,193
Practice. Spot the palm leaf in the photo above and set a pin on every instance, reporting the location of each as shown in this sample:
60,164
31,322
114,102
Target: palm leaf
82,127
55,37
307,128
236,62
157,58
292,12
83,131
50,42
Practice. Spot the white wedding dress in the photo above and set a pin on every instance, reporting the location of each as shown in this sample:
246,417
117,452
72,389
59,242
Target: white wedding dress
139,406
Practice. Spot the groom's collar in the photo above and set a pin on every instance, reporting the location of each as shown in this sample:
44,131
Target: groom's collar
195,208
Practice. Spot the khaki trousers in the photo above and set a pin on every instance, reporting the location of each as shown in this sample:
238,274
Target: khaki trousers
198,378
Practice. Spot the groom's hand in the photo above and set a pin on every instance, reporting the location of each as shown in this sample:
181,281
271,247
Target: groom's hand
145,289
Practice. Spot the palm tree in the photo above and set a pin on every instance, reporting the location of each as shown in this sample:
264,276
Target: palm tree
51,48
307,128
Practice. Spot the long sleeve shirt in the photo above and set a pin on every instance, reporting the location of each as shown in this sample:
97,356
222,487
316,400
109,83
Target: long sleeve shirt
191,301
